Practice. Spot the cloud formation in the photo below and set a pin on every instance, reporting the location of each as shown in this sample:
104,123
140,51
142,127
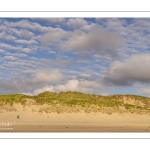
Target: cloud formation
10,58
26,42
71,85
86,41
144,91
30,79
48,76
53,37
95,40
23,33
78,54
76,23
133,69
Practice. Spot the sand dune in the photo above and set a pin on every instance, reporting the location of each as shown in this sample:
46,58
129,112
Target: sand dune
32,120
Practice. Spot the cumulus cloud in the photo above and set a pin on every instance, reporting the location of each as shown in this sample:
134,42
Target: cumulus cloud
41,90
76,23
31,80
27,45
78,86
133,69
95,40
72,85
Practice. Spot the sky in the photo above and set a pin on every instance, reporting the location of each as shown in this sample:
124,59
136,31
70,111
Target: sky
90,55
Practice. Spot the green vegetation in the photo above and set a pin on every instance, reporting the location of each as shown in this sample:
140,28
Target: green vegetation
12,98
76,101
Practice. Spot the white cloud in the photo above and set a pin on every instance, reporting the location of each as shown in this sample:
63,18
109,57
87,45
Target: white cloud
135,31
41,90
23,33
25,24
22,64
27,42
22,23
89,84
48,76
10,47
4,28
19,55
133,69
74,42
10,58
54,36
104,94
115,25
86,75
2,51
27,80
4,35
27,50
71,85
17,48
144,91
79,86
84,42
96,40
59,62
76,23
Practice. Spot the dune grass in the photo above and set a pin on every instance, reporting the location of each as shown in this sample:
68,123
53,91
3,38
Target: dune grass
76,101
12,98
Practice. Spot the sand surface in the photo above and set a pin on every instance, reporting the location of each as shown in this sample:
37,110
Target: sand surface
31,120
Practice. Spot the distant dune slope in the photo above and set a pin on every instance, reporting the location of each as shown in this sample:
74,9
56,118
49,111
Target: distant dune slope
77,102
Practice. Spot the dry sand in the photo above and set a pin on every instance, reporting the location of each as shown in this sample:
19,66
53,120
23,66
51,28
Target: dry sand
31,120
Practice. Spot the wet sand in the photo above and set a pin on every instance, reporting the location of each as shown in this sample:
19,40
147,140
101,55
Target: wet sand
79,128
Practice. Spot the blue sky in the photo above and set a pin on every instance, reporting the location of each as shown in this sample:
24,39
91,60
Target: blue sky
90,55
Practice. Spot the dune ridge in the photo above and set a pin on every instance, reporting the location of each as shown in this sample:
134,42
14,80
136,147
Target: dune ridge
74,112
77,102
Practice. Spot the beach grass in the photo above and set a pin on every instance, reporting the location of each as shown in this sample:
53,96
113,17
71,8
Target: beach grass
76,101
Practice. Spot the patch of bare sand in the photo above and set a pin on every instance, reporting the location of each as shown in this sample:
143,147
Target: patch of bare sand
32,120
132,101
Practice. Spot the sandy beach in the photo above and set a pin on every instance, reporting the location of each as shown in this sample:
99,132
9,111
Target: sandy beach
31,120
